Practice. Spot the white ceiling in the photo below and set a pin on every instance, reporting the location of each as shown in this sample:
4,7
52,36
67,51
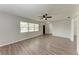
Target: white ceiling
32,11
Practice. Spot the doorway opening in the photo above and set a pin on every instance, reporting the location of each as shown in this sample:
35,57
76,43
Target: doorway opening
44,30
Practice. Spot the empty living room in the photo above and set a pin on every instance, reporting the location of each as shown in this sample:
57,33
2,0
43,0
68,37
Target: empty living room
39,29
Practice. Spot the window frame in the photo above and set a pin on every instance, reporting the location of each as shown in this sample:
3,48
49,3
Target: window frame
21,27
36,27
28,27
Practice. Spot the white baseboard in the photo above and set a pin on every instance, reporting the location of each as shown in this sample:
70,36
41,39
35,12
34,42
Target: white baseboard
18,41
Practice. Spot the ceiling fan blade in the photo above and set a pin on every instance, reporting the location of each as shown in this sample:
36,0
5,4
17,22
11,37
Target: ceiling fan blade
49,16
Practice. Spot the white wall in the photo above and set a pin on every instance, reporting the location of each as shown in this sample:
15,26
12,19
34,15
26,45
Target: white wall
78,34
61,28
75,27
10,29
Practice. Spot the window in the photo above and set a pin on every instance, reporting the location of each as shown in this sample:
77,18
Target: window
28,27
31,27
24,26
36,27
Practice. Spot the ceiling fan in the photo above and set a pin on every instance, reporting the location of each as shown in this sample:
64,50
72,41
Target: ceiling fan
45,16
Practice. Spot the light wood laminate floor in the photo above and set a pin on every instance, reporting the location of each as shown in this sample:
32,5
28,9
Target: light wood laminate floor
42,45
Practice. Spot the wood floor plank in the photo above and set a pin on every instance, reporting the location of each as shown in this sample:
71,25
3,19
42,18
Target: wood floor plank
42,45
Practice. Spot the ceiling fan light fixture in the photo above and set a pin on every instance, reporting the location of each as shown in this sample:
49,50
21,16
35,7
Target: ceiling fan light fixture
44,18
